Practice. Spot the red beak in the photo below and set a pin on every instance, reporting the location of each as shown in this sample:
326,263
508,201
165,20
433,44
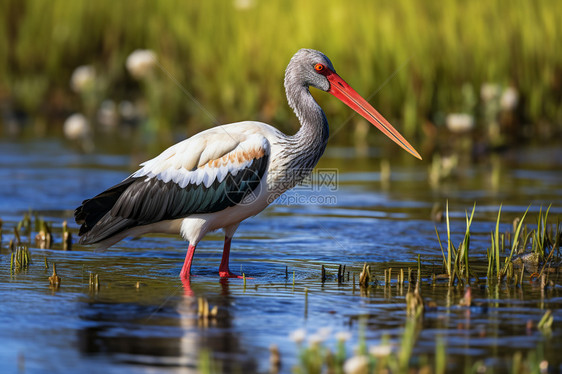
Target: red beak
343,91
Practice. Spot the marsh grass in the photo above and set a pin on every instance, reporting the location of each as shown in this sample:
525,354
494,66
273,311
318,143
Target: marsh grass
497,247
456,260
531,246
94,283
20,259
232,58
535,247
386,357
30,224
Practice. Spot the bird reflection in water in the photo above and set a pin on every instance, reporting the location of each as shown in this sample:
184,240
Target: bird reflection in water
175,334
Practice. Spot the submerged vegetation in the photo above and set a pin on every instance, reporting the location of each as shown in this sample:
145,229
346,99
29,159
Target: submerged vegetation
219,62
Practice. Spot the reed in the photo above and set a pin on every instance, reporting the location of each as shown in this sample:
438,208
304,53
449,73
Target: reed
66,237
365,277
456,261
20,259
54,279
544,247
232,57
317,357
545,242
94,283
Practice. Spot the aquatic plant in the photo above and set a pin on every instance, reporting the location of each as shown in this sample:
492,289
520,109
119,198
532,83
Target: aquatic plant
44,237
384,357
54,279
204,311
66,237
545,243
20,259
456,261
365,277
94,283
497,247
415,306
24,225
206,364
544,247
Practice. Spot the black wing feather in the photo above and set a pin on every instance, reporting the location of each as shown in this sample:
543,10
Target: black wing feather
142,201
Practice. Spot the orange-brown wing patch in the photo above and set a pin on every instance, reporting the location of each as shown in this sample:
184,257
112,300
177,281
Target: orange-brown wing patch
237,156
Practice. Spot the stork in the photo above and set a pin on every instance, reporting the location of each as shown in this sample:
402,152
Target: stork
219,177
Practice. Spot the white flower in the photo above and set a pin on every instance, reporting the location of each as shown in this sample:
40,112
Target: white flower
324,332
140,63
543,366
107,113
343,336
127,110
380,350
298,336
356,365
82,78
509,99
243,4
460,122
316,339
489,91
76,127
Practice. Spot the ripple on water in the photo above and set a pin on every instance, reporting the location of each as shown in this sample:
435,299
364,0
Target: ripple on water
142,316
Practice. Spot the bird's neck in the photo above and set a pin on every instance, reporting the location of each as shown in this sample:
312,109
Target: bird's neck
301,152
313,134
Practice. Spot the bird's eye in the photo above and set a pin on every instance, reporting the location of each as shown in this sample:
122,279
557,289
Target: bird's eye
319,67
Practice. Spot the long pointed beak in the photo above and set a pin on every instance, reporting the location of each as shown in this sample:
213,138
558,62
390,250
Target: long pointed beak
343,91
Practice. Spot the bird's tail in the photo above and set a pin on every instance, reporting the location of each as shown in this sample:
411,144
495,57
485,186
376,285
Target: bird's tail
94,216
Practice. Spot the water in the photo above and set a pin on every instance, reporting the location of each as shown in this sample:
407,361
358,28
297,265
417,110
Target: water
143,319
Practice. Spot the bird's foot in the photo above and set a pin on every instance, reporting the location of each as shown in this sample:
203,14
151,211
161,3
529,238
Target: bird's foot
229,274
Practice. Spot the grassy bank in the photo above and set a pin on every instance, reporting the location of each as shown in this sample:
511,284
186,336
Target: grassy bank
430,58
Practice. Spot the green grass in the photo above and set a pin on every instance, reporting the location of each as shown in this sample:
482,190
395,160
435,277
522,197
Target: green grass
541,245
316,357
20,259
456,261
414,60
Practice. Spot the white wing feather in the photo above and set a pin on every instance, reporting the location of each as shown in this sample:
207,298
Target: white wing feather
206,157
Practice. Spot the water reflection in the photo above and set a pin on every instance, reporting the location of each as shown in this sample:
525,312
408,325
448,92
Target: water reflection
173,335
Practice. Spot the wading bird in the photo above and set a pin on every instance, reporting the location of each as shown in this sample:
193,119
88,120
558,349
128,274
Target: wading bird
221,176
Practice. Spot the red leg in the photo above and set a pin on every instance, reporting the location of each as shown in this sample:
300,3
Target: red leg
186,287
185,270
224,271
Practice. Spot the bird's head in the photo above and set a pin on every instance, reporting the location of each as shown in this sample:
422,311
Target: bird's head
312,68
304,67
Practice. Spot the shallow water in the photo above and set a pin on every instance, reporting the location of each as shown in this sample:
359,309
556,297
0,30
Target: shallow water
143,319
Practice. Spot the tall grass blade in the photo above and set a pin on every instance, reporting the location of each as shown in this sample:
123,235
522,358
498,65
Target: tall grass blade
441,246
449,242
497,243
515,240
